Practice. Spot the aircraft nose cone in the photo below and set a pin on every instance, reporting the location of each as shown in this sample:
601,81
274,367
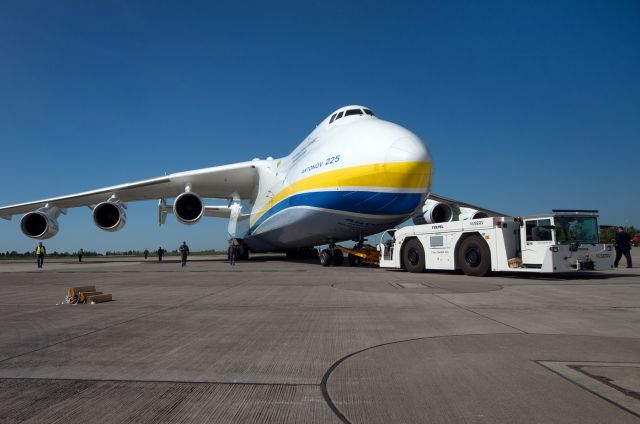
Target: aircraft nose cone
408,164
408,148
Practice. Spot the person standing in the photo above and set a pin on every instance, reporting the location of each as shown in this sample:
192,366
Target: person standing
146,253
80,254
623,246
184,252
160,252
40,252
233,250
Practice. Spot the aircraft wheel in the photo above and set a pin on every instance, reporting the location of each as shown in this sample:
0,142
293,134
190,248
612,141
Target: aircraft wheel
354,260
325,257
338,257
474,257
413,256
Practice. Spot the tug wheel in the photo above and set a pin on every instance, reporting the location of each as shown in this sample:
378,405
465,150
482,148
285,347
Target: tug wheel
474,257
413,256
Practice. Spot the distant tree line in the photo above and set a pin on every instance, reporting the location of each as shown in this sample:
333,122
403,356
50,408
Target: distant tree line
608,235
15,254
88,253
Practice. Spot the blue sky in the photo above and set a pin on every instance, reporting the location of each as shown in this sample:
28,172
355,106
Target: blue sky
526,106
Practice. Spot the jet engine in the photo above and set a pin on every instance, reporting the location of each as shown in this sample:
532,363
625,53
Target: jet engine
42,223
188,208
468,213
434,212
109,215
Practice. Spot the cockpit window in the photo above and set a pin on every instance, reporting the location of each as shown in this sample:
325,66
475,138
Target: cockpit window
350,112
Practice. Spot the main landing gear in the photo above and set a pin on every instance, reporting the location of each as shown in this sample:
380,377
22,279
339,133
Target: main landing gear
331,256
360,254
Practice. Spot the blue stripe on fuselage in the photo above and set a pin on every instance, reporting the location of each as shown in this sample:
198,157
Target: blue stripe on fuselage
364,202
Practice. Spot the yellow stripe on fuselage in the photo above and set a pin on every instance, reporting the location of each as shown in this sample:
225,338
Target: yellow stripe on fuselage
404,175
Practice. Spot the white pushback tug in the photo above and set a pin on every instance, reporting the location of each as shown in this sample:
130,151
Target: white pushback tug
565,241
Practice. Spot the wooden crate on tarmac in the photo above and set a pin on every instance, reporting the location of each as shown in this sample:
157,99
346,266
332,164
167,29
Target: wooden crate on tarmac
73,292
99,298
87,294
82,296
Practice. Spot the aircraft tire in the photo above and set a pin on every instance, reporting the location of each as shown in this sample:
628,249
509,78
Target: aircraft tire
338,257
413,256
474,256
354,260
325,258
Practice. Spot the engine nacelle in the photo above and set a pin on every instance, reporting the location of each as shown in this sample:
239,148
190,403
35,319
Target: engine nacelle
109,215
468,213
188,208
434,212
41,224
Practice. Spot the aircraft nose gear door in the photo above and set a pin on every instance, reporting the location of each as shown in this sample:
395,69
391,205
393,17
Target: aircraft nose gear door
537,237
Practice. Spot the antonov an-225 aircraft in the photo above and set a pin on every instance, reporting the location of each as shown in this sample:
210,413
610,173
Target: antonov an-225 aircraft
353,176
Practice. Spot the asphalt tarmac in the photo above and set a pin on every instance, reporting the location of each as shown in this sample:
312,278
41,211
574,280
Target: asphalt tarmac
271,341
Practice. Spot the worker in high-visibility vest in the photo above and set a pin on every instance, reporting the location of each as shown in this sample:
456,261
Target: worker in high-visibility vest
40,252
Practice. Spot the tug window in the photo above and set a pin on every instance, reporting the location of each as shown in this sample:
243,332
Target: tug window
539,230
576,228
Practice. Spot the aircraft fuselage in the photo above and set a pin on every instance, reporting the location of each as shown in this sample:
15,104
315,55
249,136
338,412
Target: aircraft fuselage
349,178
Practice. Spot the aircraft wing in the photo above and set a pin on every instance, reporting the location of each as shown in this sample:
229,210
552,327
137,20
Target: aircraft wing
442,199
225,181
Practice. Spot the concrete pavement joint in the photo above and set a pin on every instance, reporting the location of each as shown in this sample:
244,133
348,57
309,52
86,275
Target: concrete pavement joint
479,314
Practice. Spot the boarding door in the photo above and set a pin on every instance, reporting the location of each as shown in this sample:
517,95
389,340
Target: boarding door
536,238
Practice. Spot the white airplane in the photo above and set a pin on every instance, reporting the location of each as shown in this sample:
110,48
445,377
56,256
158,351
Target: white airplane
353,176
